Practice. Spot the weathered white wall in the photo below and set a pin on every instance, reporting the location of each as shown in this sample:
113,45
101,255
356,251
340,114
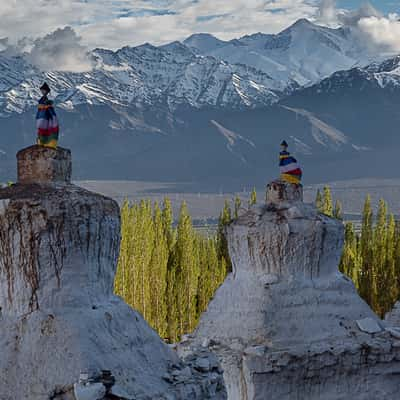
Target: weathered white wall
59,248
284,323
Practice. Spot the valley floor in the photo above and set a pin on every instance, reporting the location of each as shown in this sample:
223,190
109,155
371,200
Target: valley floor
205,207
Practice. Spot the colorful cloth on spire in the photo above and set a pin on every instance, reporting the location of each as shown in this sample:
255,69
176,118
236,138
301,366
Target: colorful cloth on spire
47,123
290,169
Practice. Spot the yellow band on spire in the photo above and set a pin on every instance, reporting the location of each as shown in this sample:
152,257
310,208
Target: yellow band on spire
290,178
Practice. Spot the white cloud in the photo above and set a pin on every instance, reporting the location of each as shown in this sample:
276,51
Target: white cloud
35,18
115,23
60,51
378,33
225,19
99,22
382,32
352,18
327,12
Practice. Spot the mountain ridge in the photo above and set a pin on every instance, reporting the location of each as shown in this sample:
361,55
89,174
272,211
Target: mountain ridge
202,71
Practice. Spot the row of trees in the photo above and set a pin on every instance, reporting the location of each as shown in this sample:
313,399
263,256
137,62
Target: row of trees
169,273
371,258
324,203
371,254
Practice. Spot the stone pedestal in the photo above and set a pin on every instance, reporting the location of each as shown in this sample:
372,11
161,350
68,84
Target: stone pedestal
39,164
279,191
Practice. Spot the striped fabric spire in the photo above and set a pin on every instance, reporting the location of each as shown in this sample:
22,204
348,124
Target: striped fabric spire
289,168
47,123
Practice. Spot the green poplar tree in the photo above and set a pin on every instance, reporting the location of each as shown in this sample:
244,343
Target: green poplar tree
168,220
143,248
127,264
338,213
121,277
187,272
379,276
172,301
225,219
218,270
172,272
327,205
253,197
211,273
366,253
205,278
396,291
319,201
392,293
350,261
158,275
238,204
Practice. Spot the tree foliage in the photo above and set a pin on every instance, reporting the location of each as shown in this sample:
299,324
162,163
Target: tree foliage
371,257
253,198
371,254
337,212
319,201
169,273
327,203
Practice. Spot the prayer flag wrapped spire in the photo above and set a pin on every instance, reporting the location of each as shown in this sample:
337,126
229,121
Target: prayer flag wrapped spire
289,167
46,121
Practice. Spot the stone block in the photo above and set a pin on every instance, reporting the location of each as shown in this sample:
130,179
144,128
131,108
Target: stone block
39,164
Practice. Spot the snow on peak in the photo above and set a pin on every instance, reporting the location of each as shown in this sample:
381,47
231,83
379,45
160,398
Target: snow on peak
384,74
204,42
302,23
203,71
172,74
304,52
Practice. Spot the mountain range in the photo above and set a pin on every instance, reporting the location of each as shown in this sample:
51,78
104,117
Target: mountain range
211,113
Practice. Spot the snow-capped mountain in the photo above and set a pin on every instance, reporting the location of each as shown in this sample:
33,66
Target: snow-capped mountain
304,52
203,71
170,75
378,75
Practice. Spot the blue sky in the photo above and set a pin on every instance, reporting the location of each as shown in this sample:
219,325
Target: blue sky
385,6
115,23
